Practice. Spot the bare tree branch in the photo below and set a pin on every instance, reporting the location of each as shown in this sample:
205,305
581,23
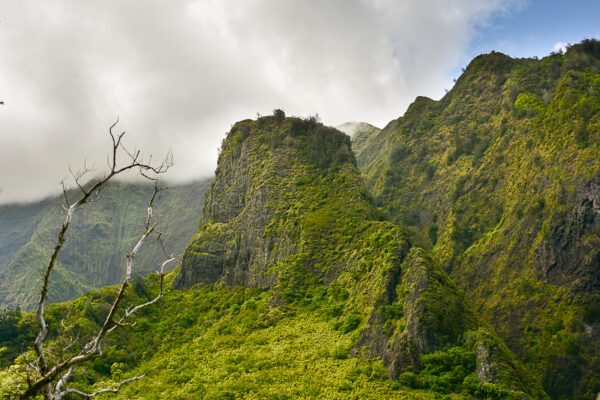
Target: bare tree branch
52,377
110,390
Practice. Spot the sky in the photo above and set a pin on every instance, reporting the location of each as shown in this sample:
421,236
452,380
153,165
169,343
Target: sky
178,74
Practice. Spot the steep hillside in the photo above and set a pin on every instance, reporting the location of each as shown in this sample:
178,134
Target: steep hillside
279,184
102,235
218,342
358,130
501,178
470,270
288,212
293,287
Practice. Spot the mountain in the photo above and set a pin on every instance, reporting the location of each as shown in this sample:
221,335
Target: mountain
451,254
295,286
288,212
102,234
357,129
500,179
361,134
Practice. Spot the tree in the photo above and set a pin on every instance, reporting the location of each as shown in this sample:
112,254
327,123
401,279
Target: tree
279,115
49,373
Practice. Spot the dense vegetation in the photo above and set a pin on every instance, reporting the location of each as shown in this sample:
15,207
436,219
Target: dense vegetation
218,342
500,178
341,293
101,237
464,263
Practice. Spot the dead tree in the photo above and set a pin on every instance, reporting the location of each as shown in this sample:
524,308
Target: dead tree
49,376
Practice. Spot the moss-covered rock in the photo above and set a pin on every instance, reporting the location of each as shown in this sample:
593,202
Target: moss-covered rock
283,187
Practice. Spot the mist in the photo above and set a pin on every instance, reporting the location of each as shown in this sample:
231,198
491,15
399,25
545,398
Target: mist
179,74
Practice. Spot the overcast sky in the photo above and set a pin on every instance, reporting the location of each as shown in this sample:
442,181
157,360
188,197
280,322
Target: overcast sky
180,73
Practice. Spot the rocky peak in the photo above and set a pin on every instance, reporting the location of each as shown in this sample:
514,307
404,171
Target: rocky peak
264,167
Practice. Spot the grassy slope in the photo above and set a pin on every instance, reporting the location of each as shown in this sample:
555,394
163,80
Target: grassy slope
487,174
218,342
361,140
102,234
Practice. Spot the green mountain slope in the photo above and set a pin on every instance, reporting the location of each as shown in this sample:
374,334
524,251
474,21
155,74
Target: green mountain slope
463,263
501,178
361,134
288,212
293,287
218,342
102,235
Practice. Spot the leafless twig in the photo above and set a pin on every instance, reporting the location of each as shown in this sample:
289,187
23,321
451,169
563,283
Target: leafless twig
51,378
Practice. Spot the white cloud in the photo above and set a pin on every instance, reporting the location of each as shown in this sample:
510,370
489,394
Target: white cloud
560,47
180,73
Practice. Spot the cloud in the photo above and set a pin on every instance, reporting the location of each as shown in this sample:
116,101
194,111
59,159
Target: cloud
560,47
180,73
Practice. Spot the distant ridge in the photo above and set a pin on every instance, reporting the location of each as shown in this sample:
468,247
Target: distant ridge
102,234
352,128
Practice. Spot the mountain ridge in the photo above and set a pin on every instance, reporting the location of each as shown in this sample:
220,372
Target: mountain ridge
326,215
454,255
498,178
95,253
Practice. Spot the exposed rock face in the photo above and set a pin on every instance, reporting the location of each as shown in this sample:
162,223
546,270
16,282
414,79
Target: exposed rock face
262,166
571,255
424,313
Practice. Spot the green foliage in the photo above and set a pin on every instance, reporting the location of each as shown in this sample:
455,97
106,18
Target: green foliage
512,144
139,285
351,323
101,235
279,115
445,371
391,311
16,332
591,313
450,371
237,346
529,104
538,206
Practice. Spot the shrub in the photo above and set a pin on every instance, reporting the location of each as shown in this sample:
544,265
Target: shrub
351,323
139,285
409,379
279,115
162,327
398,153
391,311
529,104
538,206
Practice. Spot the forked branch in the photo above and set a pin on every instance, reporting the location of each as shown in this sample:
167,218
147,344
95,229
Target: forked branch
51,378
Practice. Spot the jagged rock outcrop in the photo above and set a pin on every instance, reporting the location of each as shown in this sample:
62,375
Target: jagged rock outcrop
424,313
265,167
571,254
